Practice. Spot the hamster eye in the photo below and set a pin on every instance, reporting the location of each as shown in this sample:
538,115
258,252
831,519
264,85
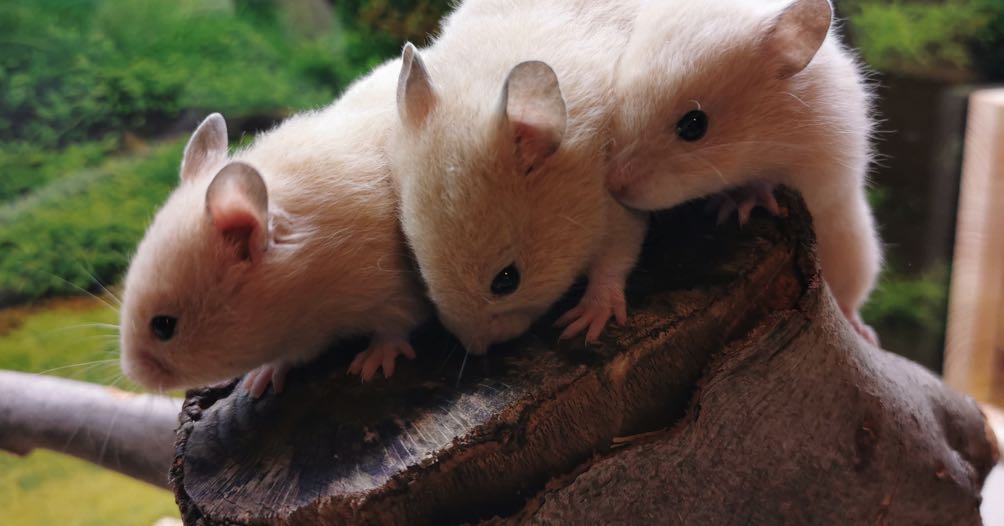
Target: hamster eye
692,126
506,282
163,327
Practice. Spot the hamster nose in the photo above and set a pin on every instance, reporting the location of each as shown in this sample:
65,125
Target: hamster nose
617,180
617,185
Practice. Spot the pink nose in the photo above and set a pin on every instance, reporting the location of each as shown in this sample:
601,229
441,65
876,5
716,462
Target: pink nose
616,182
617,179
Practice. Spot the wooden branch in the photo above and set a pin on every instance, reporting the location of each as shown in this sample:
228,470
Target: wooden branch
771,411
974,359
121,431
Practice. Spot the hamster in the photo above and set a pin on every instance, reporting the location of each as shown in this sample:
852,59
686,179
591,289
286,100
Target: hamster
261,259
744,93
500,166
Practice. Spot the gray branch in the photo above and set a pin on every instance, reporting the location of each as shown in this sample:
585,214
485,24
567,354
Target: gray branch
125,432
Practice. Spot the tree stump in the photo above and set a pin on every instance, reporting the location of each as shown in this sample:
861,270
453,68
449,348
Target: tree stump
736,394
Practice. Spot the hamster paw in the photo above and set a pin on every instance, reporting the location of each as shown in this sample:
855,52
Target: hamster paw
382,353
863,329
743,200
597,306
258,380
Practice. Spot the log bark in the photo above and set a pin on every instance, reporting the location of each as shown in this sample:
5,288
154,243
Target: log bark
125,432
737,393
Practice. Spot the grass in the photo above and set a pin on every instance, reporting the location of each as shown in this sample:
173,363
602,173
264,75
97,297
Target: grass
46,487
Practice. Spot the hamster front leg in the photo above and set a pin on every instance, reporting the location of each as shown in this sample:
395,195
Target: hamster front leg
383,350
258,380
848,245
743,200
604,296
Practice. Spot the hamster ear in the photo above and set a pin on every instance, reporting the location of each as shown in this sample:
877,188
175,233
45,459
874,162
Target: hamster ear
207,146
796,35
237,204
415,94
532,110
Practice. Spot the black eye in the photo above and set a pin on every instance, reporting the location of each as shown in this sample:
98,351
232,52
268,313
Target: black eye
163,327
506,282
692,126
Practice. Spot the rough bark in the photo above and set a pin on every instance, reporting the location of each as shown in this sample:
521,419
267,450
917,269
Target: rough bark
124,432
737,393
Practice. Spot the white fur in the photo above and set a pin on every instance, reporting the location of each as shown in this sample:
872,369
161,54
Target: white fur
809,131
476,195
333,264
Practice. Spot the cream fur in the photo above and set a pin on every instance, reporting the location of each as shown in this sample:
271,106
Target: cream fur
809,131
468,207
334,264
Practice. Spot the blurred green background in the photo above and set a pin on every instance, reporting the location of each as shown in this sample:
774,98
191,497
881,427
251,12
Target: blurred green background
98,96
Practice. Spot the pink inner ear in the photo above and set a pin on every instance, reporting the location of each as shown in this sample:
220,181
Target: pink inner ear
239,226
533,144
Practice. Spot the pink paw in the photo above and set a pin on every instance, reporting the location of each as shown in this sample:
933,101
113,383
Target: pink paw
863,329
381,353
743,200
593,311
258,380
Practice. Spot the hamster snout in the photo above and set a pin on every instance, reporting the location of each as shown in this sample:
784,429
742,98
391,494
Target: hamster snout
145,368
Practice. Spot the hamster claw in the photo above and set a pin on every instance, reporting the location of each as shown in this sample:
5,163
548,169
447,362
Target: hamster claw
743,200
257,381
863,329
381,354
593,312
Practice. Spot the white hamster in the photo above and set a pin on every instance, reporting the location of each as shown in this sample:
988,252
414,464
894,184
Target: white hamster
501,160
263,258
712,95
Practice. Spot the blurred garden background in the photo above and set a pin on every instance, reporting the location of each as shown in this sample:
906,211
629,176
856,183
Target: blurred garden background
97,98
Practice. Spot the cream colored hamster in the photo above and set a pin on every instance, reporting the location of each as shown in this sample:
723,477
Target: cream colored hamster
712,95
263,258
500,162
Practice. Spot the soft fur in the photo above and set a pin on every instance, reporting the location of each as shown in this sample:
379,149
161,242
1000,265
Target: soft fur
479,191
330,263
741,62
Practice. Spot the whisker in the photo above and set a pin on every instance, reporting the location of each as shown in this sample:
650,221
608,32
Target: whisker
118,301
462,365
448,355
81,289
109,326
713,167
64,367
108,435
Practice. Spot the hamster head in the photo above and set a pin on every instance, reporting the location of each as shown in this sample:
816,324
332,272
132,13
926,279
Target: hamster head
189,316
500,211
705,96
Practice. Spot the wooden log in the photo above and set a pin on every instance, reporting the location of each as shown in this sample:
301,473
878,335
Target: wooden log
772,411
125,432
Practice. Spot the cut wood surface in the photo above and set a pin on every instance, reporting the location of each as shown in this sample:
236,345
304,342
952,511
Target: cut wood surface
737,393
125,432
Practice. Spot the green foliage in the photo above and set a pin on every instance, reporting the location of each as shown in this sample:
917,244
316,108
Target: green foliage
916,301
913,36
73,71
25,167
988,46
376,29
83,225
